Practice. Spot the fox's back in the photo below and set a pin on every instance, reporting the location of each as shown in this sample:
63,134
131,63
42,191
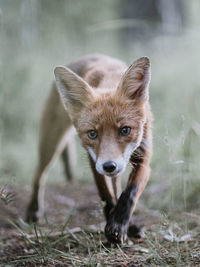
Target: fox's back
99,70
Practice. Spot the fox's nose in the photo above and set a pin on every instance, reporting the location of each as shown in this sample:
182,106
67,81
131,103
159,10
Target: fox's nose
109,166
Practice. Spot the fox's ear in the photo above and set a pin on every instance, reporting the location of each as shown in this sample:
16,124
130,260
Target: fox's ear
135,81
73,90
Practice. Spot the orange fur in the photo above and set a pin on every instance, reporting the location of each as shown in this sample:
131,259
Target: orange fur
101,95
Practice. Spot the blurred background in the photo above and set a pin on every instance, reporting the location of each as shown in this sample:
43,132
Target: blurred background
36,35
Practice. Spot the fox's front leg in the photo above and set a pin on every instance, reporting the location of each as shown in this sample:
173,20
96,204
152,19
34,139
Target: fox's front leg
107,191
118,221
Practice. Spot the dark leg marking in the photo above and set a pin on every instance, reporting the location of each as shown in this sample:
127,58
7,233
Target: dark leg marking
67,167
134,231
107,209
118,220
31,216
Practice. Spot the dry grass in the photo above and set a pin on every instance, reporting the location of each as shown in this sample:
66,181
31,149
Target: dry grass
167,239
166,244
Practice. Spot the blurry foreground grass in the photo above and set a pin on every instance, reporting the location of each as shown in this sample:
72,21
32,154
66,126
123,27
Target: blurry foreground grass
71,234
165,244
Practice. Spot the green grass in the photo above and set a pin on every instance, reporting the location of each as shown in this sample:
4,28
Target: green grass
27,73
166,244
5,195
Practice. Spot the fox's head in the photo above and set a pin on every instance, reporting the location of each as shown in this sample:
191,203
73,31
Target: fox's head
110,122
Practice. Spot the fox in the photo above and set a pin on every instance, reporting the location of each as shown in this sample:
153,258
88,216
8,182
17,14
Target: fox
107,104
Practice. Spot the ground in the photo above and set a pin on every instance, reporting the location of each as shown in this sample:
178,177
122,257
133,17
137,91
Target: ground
71,233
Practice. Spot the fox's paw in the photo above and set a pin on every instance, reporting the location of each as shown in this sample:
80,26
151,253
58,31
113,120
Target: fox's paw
134,231
116,233
31,217
32,213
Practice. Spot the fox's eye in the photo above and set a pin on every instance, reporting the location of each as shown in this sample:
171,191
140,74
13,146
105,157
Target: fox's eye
92,134
125,131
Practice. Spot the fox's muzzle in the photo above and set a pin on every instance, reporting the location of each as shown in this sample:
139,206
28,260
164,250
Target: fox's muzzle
109,166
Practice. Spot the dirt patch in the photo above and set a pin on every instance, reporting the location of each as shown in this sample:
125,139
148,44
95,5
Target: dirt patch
71,233
79,204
